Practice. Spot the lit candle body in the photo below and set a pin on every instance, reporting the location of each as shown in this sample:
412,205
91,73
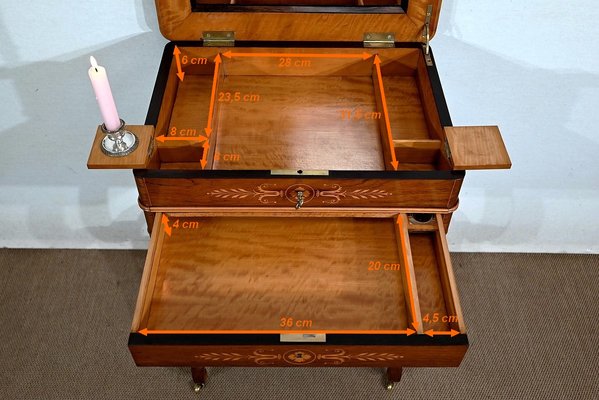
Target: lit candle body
99,79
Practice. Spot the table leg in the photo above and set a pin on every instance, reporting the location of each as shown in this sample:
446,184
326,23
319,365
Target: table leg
199,376
393,377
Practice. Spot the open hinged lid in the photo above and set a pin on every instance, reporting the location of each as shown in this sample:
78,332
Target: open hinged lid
299,20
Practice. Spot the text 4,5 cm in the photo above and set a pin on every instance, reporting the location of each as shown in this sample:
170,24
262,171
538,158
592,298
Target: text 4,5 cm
436,317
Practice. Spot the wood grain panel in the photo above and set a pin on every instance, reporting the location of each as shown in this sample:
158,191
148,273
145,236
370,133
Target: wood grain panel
301,106
413,193
178,22
287,356
406,112
430,291
253,271
320,212
428,104
394,61
448,282
141,157
298,65
477,147
297,124
148,279
168,101
190,111
418,151
407,273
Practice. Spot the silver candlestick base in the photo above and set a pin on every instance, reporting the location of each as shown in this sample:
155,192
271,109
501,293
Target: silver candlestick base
118,143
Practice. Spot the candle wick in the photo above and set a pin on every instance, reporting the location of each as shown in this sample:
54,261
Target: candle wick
96,69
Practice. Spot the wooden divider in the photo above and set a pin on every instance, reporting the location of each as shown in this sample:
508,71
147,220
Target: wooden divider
417,150
450,290
408,273
166,151
148,279
384,125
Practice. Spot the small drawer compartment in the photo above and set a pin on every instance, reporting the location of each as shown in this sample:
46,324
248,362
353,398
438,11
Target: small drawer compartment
364,281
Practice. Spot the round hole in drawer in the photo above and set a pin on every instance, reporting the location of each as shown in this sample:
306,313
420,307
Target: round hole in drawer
421,218
299,171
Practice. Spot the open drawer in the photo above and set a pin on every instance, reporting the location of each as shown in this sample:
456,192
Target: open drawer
299,288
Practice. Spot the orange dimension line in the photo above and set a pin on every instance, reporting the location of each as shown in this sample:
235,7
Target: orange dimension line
433,333
163,138
377,66
167,229
404,250
147,332
363,56
180,72
204,161
217,62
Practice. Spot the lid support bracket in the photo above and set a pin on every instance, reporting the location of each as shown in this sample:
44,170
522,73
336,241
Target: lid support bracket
426,35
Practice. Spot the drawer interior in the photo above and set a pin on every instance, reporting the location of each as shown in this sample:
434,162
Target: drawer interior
330,274
300,109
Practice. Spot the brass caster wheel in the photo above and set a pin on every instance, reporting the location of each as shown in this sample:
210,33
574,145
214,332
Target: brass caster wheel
390,385
198,386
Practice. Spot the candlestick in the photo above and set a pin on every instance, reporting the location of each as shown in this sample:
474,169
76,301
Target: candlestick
119,142
99,80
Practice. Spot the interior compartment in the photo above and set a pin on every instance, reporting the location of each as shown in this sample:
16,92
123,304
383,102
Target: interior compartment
245,273
300,109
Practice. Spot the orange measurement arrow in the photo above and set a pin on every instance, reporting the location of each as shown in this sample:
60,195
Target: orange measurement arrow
163,138
147,332
377,65
404,250
433,333
167,229
217,62
205,155
363,56
177,54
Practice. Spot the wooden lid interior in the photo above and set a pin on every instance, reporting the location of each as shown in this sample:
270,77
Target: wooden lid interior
296,20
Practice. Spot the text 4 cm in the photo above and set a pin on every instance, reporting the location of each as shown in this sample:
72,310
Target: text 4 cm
186,224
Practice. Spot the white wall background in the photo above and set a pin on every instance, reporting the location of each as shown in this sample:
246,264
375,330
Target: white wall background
531,67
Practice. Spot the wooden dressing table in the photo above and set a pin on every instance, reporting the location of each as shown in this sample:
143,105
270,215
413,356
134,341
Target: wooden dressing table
298,170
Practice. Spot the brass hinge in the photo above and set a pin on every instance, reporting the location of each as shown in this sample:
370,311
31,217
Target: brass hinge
426,35
218,38
379,39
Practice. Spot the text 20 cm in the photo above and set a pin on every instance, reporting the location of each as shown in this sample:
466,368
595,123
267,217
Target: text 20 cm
380,266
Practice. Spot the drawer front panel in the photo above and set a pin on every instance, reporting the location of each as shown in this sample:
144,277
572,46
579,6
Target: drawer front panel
298,356
425,193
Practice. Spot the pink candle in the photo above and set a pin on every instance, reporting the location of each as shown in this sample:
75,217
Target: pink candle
97,75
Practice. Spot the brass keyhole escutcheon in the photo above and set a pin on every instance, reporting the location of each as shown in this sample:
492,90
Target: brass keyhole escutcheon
300,199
